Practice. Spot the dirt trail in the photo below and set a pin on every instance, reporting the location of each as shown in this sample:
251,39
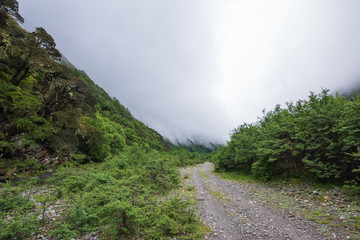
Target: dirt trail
232,212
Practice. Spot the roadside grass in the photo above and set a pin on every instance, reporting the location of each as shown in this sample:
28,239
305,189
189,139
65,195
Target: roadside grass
214,191
327,204
188,192
203,175
218,194
234,175
190,188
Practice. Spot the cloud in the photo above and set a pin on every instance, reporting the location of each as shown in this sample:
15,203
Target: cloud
199,68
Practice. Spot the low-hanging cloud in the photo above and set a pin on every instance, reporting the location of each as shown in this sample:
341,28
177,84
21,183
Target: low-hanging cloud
199,68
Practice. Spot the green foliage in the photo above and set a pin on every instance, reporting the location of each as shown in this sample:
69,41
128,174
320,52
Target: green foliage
49,110
173,217
18,227
196,146
46,42
316,138
111,141
61,110
63,230
9,7
21,109
17,220
240,153
110,110
10,198
121,196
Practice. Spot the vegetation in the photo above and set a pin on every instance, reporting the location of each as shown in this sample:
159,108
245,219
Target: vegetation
53,113
111,174
315,139
9,8
197,146
123,197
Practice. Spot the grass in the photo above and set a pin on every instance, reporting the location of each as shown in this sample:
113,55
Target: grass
203,175
237,176
188,192
218,194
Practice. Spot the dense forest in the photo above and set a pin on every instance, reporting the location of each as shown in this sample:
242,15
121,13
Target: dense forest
73,160
316,139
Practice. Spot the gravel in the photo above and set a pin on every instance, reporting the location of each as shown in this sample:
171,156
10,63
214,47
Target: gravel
233,211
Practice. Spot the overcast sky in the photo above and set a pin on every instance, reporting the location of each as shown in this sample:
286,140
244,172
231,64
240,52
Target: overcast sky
199,68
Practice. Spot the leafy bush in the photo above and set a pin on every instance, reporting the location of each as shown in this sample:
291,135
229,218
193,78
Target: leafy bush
17,219
316,138
174,217
19,227
121,197
10,198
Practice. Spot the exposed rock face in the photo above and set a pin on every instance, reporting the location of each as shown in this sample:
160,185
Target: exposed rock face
22,151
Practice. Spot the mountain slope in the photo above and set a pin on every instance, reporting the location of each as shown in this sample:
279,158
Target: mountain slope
53,113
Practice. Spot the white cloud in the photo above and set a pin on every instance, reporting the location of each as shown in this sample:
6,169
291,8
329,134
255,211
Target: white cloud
202,67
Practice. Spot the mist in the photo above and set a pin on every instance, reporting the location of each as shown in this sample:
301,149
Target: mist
199,68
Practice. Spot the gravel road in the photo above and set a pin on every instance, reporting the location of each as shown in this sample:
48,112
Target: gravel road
232,212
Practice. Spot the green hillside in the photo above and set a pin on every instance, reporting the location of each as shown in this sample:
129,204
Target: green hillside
196,146
74,162
52,113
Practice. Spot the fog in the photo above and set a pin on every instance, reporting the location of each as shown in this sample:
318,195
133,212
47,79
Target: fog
199,68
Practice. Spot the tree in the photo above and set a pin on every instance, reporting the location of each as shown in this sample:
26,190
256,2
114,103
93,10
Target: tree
45,41
23,53
9,7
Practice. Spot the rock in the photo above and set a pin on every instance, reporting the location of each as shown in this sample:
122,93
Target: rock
17,139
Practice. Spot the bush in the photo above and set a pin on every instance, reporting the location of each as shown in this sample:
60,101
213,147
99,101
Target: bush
121,197
174,217
19,227
318,137
17,219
